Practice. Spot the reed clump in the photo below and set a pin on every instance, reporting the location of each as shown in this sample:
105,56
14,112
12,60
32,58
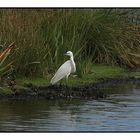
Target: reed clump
42,36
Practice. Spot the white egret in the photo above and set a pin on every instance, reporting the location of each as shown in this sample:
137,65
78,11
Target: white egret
65,70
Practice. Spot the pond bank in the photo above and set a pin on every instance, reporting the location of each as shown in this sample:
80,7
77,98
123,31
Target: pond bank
89,86
55,92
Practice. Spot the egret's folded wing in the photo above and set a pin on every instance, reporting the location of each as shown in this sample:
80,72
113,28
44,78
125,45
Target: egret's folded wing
62,72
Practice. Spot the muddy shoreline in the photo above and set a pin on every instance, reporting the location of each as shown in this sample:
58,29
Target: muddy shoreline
55,92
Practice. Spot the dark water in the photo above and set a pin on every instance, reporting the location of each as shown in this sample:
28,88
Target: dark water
118,112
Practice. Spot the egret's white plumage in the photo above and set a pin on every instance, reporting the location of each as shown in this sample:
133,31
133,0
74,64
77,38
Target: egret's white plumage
65,70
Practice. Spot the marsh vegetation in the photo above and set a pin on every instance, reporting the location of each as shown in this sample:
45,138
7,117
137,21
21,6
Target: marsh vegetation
42,36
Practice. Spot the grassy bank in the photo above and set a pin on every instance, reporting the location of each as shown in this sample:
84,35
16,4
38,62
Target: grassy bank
98,73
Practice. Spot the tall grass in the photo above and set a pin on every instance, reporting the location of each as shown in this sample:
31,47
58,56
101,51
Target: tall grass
5,68
42,36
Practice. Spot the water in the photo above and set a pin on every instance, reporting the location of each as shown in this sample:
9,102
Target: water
120,111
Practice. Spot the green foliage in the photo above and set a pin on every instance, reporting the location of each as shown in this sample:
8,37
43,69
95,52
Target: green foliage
42,36
5,90
35,81
97,72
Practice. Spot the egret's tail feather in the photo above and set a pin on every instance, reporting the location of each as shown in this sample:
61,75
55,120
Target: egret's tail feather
55,79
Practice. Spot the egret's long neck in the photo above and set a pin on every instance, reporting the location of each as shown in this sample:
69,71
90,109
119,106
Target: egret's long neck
71,58
73,67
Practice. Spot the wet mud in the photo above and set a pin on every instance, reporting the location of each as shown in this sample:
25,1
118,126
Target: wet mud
55,92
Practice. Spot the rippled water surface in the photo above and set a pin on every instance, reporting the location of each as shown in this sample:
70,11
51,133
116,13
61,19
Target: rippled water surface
120,111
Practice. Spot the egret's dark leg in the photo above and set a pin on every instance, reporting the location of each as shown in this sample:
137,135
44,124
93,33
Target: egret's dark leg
60,83
67,80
